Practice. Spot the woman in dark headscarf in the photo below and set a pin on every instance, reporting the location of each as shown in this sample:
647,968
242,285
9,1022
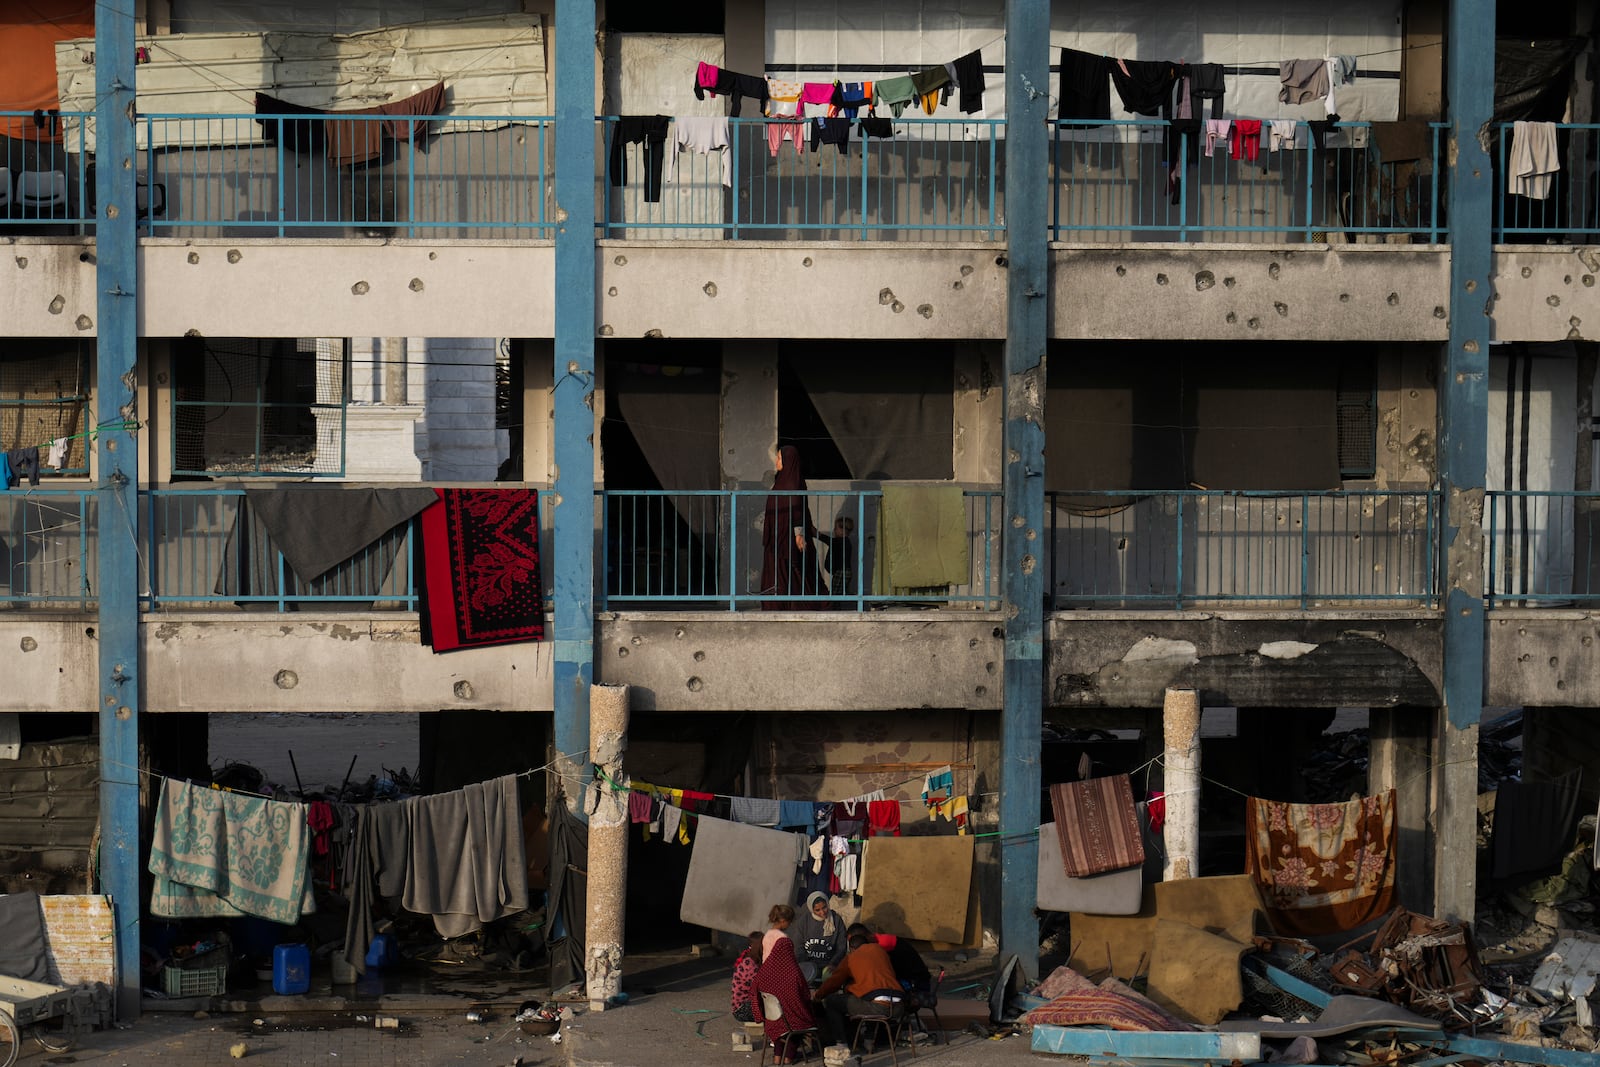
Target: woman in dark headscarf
780,976
789,556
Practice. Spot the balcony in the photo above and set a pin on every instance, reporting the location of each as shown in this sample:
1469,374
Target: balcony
931,180
1568,211
1111,182
703,552
1187,549
1543,549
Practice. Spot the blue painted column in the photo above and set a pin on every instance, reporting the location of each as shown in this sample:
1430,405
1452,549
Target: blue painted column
1025,538
1463,453
116,471
574,424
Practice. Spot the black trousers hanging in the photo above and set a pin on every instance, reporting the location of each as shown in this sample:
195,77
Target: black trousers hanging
651,131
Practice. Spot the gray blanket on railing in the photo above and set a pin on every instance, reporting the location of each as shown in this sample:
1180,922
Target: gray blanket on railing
320,531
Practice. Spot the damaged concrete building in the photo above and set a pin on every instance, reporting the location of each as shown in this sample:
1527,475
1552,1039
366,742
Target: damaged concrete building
1300,421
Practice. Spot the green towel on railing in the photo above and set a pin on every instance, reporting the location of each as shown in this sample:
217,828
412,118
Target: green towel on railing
922,540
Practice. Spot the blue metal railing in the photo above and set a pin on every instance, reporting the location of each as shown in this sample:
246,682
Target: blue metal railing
276,175
1543,547
43,180
49,547
704,550
1127,549
1112,179
1566,205
935,179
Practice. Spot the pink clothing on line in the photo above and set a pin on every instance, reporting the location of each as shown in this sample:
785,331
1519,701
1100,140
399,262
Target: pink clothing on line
1217,131
705,76
817,93
778,129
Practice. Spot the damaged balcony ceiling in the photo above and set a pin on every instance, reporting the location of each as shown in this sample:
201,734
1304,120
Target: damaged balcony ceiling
492,67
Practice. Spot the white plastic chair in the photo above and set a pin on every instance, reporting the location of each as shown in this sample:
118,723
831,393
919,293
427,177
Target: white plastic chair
42,193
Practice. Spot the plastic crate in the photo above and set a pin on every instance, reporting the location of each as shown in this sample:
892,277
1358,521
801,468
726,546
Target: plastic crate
205,975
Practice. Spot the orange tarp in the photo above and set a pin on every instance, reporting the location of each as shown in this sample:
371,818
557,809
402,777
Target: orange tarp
28,36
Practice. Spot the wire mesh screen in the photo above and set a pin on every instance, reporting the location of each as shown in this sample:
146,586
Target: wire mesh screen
44,397
249,406
1357,416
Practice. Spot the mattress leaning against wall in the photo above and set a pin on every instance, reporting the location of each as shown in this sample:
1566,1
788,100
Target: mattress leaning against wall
49,807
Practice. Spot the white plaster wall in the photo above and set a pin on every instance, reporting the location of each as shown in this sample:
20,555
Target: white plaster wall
762,289
338,289
347,16
1545,293
1251,293
333,662
702,662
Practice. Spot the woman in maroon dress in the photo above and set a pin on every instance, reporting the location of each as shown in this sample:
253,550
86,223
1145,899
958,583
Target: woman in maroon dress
789,565
780,975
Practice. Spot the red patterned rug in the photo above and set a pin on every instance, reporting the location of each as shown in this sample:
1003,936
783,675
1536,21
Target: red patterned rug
481,548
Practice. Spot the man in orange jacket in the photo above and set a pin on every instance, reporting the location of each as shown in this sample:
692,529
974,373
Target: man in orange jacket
865,970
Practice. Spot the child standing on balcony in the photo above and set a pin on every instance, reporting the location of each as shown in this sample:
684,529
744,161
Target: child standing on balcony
841,556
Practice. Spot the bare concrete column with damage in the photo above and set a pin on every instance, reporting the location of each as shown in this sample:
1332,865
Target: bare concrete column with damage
608,844
1180,725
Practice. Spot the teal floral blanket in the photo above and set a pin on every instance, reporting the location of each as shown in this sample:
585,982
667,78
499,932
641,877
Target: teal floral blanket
215,853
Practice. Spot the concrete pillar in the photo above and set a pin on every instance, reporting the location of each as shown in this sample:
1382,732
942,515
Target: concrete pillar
116,467
574,392
749,412
538,360
979,417
608,845
1180,727
1463,455
1025,534
1402,740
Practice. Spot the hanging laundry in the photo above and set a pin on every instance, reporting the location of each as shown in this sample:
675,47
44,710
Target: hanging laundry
1534,160
702,134
1097,824
967,73
1284,135
1085,88
359,140
671,821
1144,86
883,818
755,811
482,536
1206,83
794,813
7,479
638,806
817,850
783,99
820,94
24,464
1156,809
895,93
57,457
1217,131
789,129
467,863
1244,140
932,86
874,127
215,853
851,98
952,808
822,816
839,849
649,131
1534,823
1322,868
731,84
1301,80
831,131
